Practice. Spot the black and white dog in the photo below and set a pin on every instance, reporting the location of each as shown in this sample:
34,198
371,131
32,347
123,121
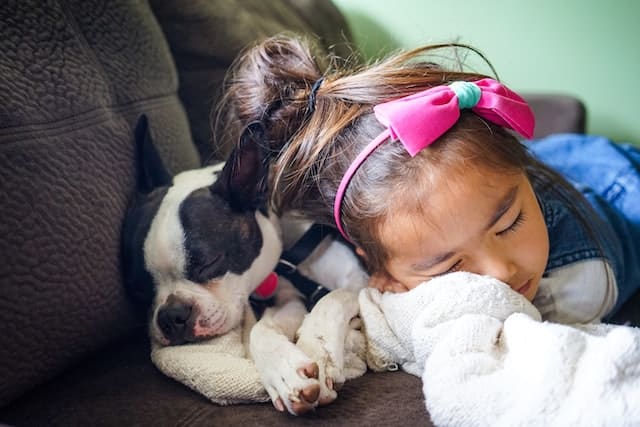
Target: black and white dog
197,245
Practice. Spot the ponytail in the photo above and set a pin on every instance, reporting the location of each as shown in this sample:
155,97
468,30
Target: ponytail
313,141
269,83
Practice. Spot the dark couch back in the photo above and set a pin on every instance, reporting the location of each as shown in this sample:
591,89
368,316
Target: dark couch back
74,76
206,36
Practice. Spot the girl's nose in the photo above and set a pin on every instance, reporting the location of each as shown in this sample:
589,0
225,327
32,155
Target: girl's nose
497,263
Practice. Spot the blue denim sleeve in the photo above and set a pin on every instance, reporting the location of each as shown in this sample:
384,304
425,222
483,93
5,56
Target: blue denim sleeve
608,175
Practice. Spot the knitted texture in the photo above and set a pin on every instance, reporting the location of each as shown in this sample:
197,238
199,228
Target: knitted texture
486,359
219,369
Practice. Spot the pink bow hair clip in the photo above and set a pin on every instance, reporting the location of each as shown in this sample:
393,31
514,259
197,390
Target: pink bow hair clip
420,119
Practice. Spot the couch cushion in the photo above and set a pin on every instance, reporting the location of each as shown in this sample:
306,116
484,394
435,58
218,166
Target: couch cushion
74,76
557,114
206,36
122,387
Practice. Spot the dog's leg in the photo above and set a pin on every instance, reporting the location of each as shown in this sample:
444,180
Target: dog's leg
288,374
331,336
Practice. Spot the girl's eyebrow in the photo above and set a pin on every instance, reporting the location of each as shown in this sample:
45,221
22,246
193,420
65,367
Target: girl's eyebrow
432,262
503,206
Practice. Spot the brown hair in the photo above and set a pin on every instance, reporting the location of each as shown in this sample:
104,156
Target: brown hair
314,145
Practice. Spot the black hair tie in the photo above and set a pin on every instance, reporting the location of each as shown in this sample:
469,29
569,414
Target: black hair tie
312,94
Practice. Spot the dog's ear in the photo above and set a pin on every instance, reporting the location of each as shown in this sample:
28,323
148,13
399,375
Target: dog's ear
243,180
151,171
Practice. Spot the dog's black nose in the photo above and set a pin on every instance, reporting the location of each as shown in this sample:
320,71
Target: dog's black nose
172,321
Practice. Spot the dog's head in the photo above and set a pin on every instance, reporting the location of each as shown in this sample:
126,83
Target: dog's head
196,245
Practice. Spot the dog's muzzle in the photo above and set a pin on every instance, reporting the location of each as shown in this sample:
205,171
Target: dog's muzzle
173,321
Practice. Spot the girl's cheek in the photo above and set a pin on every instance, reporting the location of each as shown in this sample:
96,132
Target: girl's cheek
384,283
378,281
397,287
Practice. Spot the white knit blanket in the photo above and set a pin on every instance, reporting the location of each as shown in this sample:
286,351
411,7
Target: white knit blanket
486,358
219,368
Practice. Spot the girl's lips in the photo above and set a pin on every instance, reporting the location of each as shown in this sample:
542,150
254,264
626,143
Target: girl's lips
524,288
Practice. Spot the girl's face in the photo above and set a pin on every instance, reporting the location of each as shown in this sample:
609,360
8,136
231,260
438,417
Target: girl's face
478,221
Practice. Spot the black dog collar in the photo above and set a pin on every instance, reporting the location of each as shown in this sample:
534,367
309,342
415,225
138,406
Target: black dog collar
287,267
290,259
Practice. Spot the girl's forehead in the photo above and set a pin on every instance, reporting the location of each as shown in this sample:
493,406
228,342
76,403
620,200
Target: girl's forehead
446,209
439,189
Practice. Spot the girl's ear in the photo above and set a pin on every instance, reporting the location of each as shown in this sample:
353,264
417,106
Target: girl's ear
243,179
361,253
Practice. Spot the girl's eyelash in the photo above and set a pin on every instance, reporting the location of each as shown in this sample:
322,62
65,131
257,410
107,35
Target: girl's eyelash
454,267
514,226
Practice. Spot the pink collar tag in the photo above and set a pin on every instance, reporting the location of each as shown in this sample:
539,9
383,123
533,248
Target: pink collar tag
268,287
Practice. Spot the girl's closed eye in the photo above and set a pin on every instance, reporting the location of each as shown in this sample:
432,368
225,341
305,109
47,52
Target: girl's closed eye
454,267
514,225
510,229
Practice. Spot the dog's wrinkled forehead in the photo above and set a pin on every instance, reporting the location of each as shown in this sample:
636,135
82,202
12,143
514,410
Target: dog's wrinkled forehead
218,239
196,235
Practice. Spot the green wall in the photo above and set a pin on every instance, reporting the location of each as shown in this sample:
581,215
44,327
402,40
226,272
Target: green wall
586,48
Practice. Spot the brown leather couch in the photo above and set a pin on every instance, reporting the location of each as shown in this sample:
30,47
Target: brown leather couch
74,76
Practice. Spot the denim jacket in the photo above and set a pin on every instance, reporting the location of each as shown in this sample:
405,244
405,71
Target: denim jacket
608,176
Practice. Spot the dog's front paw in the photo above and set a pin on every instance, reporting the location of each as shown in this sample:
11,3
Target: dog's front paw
301,398
355,348
290,377
294,385
338,359
331,336
330,373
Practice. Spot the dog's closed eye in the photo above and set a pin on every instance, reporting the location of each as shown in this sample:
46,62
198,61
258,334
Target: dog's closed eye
213,267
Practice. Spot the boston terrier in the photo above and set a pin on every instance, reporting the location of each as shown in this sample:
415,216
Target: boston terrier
197,247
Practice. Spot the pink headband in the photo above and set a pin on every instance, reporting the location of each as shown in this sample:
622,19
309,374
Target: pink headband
420,119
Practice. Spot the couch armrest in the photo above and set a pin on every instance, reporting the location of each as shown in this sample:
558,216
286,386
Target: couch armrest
557,114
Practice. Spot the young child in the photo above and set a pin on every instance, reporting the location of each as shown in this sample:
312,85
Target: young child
420,168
